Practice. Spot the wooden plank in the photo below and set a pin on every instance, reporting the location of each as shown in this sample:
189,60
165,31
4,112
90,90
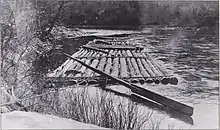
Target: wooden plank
168,102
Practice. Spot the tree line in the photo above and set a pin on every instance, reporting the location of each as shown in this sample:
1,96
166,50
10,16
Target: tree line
130,13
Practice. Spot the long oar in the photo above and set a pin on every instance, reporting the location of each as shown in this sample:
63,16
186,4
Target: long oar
144,92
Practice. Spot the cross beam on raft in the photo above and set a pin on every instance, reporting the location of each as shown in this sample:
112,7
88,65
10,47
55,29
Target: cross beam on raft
168,102
119,47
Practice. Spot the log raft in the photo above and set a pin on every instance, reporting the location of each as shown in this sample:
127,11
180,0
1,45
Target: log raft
140,91
118,60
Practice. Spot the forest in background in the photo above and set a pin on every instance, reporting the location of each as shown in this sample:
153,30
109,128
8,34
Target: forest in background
130,14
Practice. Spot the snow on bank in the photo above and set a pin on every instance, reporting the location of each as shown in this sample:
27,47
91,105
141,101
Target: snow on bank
33,120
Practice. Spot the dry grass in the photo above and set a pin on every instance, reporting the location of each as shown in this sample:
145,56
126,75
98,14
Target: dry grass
93,106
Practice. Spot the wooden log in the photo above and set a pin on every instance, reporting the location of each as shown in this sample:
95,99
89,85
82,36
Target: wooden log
148,78
147,68
66,65
92,81
153,66
115,68
168,102
83,68
123,68
123,53
91,58
114,47
156,70
101,65
129,53
75,66
136,68
165,80
131,69
95,49
108,66
83,82
94,64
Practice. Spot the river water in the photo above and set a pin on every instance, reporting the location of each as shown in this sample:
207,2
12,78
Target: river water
192,55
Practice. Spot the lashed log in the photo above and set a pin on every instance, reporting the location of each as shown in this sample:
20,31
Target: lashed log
165,80
94,64
123,68
95,49
77,65
134,70
65,66
147,68
168,102
118,47
91,58
108,64
149,79
129,53
131,71
154,67
101,65
83,68
115,68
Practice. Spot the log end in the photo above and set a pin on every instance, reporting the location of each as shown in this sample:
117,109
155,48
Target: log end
83,82
92,82
142,81
73,82
156,81
149,81
165,81
134,81
173,81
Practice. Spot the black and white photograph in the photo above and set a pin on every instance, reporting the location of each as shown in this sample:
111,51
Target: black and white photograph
108,64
